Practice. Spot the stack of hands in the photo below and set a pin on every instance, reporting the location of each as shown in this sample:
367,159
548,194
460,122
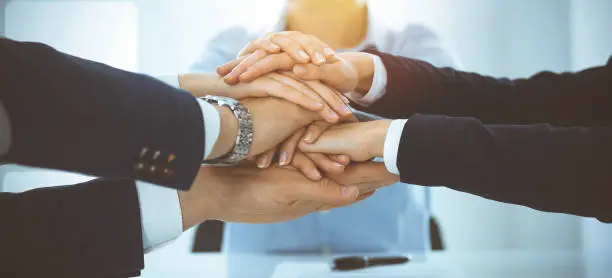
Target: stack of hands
308,153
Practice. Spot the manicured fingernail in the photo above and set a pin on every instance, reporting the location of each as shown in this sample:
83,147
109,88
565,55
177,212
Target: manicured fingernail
319,58
345,159
316,175
348,191
308,137
336,164
283,159
275,46
302,54
328,51
262,163
333,115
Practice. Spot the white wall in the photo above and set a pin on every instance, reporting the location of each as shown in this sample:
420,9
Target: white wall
497,37
1,17
591,46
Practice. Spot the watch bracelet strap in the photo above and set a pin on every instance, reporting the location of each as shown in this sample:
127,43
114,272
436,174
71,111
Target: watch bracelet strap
243,141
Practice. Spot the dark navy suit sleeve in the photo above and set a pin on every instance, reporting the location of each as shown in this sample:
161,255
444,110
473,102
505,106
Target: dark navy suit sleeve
556,169
77,115
565,99
86,230
543,142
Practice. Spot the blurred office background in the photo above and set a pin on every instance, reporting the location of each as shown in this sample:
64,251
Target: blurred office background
498,37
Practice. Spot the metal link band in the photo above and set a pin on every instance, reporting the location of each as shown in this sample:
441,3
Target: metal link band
244,136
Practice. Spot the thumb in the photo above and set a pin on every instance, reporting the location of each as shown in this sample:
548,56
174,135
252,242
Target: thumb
366,176
339,139
335,74
329,192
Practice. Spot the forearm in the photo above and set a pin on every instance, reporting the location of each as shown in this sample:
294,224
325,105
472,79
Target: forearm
201,84
84,110
417,87
540,166
52,229
365,70
196,205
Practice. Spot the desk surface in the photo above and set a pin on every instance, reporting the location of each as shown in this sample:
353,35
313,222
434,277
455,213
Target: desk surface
502,264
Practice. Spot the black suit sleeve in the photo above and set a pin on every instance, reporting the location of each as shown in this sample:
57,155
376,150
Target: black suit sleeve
565,99
72,114
86,230
557,169
544,141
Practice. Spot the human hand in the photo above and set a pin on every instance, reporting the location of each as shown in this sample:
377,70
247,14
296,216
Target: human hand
274,121
346,72
312,95
246,194
367,176
308,163
301,47
359,141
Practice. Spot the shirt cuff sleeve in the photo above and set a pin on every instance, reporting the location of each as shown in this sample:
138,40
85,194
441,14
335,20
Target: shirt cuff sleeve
160,211
212,126
212,119
392,142
379,83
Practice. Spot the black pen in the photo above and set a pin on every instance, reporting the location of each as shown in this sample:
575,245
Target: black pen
359,262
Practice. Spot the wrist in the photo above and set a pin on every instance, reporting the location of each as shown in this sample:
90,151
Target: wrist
201,84
227,134
199,203
379,134
364,65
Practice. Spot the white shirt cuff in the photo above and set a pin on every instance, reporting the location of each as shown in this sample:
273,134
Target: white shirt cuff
160,212
212,119
391,147
212,126
379,83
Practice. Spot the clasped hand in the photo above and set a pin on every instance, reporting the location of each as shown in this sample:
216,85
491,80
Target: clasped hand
324,77
302,120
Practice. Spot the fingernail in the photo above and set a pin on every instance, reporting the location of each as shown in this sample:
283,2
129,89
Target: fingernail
302,54
262,163
317,105
338,165
283,159
308,137
319,58
345,159
316,175
328,51
275,46
348,191
333,115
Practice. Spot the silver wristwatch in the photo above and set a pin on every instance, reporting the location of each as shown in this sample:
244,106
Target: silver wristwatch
244,136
